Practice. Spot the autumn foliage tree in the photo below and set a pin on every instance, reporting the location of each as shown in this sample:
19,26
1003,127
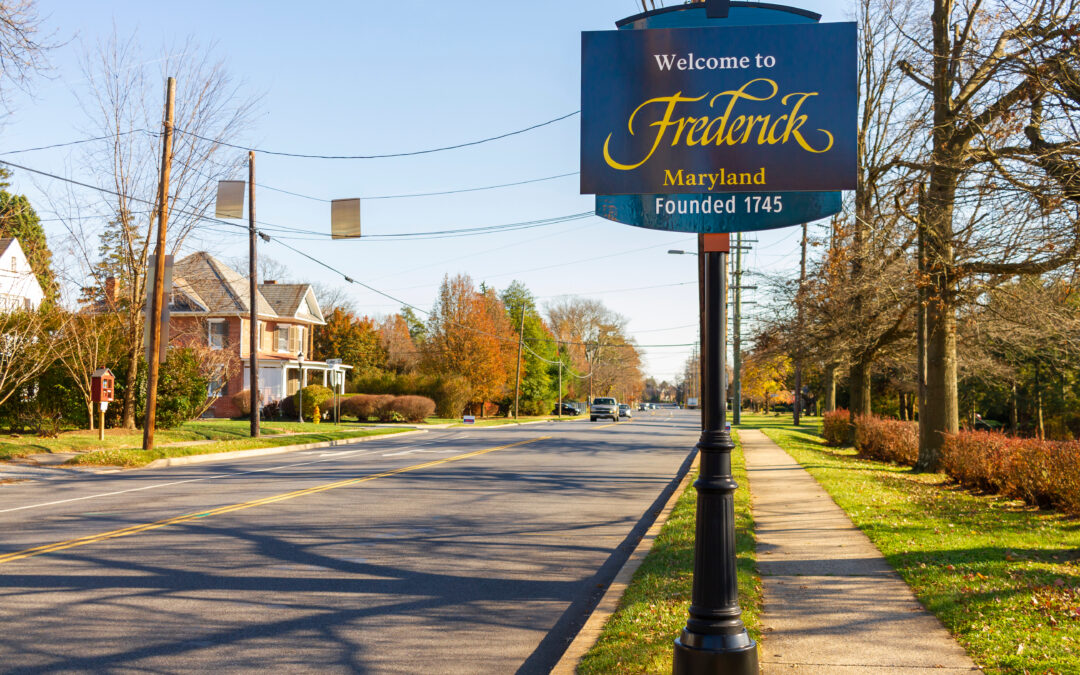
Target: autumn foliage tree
468,334
355,340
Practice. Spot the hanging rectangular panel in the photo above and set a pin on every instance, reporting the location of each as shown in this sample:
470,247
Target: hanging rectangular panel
345,218
230,199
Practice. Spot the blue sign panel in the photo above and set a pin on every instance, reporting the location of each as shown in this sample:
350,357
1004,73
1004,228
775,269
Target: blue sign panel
728,109
730,212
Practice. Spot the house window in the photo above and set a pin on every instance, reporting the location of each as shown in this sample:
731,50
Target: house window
217,329
282,338
14,264
218,386
258,336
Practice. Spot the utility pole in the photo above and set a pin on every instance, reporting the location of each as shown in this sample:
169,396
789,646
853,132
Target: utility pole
521,343
253,284
560,383
158,292
736,335
799,330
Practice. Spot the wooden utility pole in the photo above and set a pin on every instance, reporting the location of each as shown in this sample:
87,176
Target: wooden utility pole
253,285
521,343
799,331
158,292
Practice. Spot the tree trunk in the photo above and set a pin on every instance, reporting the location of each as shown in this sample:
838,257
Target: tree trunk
942,410
1014,421
902,412
134,347
1040,429
936,221
830,387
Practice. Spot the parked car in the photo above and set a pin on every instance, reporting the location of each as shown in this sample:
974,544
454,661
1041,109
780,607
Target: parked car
624,411
604,407
567,409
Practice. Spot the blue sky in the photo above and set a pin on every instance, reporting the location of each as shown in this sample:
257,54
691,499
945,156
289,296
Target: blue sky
378,77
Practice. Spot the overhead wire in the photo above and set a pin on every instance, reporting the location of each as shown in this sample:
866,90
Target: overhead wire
413,153
317,261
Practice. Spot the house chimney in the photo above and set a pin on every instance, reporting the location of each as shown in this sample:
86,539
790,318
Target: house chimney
269,282
111,284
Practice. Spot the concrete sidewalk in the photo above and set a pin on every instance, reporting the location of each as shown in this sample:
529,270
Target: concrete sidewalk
832,603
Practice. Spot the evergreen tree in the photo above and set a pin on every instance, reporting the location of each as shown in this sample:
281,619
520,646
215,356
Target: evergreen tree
18,219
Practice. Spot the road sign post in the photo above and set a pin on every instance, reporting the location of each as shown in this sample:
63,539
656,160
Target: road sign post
693,121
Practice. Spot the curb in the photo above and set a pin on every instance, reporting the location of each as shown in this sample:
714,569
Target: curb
594,625
259,452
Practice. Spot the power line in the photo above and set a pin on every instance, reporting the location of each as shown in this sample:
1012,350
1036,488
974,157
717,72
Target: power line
78,142
281,153
427,194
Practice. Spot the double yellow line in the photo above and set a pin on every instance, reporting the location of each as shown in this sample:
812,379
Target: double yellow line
144,527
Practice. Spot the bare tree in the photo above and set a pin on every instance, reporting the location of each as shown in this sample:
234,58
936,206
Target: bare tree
23,48
30,342
1001,191
124,105
88,341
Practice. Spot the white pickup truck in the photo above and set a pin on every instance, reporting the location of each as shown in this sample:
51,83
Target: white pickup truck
604,407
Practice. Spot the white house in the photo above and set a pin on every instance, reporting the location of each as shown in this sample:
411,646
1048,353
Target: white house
19,287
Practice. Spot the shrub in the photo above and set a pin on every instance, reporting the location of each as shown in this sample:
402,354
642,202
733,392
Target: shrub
364,406
886,439
413,408
834,427
181,389
451,393
314,396
1041,473
243,402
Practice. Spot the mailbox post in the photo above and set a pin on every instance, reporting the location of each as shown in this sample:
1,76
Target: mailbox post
102,384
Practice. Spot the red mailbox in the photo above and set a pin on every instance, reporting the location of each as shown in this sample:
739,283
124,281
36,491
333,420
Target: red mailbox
101,386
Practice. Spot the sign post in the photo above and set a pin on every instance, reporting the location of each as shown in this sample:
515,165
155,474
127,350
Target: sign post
716,117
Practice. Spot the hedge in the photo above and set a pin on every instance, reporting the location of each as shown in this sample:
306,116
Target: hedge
887,439
1039,472
388,408
834,427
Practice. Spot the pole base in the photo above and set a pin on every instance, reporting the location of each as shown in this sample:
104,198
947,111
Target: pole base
716,655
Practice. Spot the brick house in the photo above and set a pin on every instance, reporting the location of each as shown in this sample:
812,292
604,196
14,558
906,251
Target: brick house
209,306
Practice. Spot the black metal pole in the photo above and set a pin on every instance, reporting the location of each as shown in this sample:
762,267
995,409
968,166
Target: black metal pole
715,640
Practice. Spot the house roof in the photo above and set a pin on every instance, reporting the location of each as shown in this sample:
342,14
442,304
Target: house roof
202,283
5,242
215,286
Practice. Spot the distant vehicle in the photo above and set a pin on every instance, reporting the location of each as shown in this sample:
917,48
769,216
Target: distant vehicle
604,407
691,402
643,406
567,409
624,411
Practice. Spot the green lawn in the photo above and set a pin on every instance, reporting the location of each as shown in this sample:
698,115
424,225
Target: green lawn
20,445
1003,578
133,457
639,637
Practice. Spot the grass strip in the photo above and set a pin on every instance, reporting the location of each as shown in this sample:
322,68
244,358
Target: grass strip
134,457
1003,577
84,440
639,636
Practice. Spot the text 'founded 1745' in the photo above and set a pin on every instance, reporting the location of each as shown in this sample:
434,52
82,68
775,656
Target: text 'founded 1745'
710,110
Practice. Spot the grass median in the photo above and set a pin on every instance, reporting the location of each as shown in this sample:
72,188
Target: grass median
135,457
639,637
1003,577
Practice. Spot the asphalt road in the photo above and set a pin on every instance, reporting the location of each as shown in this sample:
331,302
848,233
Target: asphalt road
453,551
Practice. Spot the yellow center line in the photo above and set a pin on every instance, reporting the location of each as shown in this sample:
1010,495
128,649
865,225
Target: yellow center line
605,426
136,529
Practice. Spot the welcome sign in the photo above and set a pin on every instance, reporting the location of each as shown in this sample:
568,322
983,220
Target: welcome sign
719,110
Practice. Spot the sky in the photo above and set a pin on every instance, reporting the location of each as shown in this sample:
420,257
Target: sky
365,77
